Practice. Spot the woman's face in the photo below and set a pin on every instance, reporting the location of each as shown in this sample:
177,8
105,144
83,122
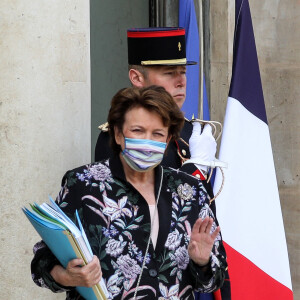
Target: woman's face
142,124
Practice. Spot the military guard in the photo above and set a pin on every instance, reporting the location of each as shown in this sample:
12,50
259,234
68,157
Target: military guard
157,56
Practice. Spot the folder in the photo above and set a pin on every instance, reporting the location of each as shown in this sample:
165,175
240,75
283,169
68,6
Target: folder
65,240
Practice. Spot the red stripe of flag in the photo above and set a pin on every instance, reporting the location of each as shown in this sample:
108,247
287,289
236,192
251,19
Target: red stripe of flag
244,274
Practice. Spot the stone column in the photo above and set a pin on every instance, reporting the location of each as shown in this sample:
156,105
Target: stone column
221,50
44,121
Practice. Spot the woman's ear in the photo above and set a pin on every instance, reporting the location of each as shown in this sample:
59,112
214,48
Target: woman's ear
118,135
136,77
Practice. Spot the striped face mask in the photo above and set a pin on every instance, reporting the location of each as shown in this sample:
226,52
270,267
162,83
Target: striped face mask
143,155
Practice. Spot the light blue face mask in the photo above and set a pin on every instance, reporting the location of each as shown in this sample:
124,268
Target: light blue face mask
143,155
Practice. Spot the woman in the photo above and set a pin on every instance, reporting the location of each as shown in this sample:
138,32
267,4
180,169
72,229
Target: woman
151,227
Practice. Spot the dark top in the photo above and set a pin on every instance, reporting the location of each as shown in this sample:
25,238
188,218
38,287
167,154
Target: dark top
116,219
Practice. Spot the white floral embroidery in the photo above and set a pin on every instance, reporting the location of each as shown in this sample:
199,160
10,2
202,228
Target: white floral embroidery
115,248
181,257
116,210
205,211
128,267
97,172
173,240
171,294
113,285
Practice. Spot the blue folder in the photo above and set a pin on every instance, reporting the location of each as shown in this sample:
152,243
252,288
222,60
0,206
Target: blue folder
63,245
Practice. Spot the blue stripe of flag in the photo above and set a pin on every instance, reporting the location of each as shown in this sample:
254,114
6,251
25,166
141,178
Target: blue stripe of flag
246,86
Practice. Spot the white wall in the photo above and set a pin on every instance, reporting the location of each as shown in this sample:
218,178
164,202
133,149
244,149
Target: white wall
44,121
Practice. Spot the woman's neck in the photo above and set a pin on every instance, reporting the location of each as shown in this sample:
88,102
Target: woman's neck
136,177
142,181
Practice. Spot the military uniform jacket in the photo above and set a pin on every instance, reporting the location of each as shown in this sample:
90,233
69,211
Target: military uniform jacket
116,219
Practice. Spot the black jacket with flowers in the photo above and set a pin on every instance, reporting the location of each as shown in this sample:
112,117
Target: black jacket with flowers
176,152
116,219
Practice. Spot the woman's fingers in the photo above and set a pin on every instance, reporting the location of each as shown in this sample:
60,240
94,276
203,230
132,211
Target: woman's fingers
205,226
87,275
75,263
196,226
200,225
92,272
202,240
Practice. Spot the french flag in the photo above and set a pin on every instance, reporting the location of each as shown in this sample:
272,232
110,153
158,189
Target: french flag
248,207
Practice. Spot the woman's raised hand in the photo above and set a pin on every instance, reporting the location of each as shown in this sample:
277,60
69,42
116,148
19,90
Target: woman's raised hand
202,240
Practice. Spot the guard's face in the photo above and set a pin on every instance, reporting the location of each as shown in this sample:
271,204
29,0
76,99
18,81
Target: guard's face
172,78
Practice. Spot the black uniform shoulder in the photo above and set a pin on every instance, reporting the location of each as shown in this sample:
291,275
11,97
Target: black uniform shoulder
188,124
186,130
103,149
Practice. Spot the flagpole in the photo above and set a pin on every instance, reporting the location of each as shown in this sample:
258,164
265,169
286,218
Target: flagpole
200,107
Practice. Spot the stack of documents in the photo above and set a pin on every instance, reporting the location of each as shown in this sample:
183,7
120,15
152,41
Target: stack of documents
65,240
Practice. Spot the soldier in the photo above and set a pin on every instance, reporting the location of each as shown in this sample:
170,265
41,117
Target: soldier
156,56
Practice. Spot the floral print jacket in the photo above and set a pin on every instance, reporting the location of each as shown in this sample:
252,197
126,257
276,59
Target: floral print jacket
116,219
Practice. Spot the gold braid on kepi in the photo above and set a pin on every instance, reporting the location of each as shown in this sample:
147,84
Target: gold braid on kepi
104,127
